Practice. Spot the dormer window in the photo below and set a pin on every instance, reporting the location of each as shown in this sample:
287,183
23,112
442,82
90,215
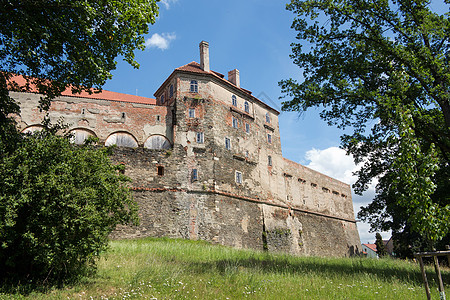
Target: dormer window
267,118
234,100
171,91
246,107
194,86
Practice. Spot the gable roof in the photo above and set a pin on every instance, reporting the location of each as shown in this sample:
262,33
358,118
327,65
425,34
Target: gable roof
194,67
372,247
103,95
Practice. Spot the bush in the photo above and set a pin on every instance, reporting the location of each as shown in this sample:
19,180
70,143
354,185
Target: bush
58,204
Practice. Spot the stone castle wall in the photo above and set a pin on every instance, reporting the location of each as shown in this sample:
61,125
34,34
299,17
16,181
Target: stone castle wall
281,206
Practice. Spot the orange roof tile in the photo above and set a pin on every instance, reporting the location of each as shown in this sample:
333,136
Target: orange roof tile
372,247
103,95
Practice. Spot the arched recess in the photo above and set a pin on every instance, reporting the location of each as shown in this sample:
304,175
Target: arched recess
121,139
79,135
157,142
33,128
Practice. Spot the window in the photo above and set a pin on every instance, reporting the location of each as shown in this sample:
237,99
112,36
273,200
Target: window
246,153
267,118
160,171
171,91
194,86
235,122
158,118
194,175
199,137
234,100
162,99
269,160
123,115
238,177
269,138
227,144
191,112
246,107
83,111
247,127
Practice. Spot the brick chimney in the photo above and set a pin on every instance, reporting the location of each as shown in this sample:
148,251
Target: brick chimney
233,77
204,56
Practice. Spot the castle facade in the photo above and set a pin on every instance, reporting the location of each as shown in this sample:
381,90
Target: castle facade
206,163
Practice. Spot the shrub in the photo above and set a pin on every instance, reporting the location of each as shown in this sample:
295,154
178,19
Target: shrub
58,204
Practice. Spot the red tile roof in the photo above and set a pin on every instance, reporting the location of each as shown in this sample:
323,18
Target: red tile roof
103,95
372,247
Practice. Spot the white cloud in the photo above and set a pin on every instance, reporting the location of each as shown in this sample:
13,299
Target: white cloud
167,3
335,163
160,41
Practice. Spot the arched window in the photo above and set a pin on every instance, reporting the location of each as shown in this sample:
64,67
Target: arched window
80,135
33,128
194,86
157,142
171,91
121,139
246,107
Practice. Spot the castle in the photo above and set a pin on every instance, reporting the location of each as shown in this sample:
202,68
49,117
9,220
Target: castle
205,162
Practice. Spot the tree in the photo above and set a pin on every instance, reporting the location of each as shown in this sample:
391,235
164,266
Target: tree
58,202
382,68
57,44
381,248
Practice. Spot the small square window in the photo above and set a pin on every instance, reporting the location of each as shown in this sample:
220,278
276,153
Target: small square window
191,112
269,161
234,100
194,86
247,127
235,122
227,144
194,175
160,171
238,177
269,138
199,137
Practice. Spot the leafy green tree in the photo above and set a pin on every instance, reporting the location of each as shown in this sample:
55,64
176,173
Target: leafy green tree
58,204
56,44
382,68
381,248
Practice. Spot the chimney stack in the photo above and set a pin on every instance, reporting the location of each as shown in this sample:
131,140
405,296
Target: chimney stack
204,56
233,77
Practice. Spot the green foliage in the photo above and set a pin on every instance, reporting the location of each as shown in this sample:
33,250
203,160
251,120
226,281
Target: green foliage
57,44
381,248
58,204
382,68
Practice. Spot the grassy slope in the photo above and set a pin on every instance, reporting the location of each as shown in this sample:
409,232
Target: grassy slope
179,269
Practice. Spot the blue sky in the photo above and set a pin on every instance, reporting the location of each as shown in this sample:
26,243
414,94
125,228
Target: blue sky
253,36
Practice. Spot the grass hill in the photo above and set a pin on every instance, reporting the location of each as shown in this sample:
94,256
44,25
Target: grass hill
181,269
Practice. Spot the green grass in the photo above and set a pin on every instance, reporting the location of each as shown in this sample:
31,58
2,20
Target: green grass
180,269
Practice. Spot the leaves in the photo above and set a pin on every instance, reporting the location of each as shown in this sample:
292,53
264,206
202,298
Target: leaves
382,69
58,204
